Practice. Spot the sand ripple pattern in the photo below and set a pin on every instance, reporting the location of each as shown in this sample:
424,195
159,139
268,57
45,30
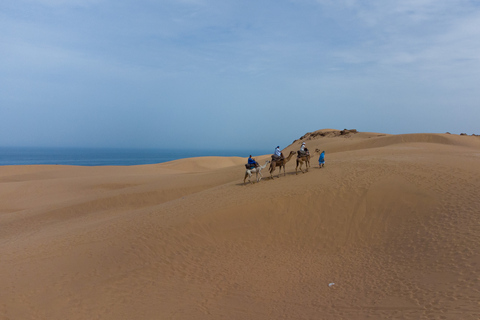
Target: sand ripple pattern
393,221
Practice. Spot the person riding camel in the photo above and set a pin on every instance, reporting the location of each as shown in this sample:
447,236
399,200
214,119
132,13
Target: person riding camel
278,154
251,163
303,150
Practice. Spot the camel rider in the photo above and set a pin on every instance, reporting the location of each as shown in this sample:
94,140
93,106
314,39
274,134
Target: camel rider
277,155
252,163
303,150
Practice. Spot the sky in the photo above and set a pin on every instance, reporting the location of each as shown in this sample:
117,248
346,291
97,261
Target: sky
223,74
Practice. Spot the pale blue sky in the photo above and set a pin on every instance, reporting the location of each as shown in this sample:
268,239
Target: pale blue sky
234,74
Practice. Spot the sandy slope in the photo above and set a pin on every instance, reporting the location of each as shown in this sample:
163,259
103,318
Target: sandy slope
392,220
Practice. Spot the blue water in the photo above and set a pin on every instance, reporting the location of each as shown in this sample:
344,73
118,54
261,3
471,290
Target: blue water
107,157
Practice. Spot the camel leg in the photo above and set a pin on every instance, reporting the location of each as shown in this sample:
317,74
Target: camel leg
273,166
299,163
249,174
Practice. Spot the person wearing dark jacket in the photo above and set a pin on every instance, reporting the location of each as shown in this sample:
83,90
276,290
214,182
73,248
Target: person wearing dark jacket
252,163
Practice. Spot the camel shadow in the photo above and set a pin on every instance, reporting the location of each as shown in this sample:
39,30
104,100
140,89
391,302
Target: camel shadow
266,179
274,177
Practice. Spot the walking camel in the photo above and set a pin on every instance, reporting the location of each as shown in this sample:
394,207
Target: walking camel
280,163
300,160
257,171
305,158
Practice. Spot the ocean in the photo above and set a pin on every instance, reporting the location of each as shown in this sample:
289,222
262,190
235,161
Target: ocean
108,156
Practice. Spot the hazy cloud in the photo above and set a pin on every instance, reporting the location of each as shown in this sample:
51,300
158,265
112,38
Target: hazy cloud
183,70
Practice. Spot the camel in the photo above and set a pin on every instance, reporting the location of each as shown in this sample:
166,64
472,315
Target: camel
280,163
300,160
257,171
306,159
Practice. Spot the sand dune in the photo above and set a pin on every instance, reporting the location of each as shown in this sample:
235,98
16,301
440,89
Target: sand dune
392,220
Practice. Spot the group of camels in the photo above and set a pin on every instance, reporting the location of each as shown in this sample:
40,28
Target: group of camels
305,158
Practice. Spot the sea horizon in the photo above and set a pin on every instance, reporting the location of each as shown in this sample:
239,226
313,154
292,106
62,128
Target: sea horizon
95,156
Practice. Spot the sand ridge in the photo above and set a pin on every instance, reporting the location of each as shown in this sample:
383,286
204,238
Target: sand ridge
392,220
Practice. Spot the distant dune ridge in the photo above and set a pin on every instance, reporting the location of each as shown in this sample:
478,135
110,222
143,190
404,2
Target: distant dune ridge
392,220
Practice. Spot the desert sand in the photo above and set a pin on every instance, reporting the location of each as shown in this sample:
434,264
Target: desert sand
388,229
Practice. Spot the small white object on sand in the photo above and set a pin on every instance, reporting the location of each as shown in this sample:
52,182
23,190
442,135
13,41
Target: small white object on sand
331,284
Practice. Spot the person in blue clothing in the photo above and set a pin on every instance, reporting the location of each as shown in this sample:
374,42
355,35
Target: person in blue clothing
252,163
321,159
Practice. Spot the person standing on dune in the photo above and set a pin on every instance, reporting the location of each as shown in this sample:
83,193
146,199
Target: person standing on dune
321,159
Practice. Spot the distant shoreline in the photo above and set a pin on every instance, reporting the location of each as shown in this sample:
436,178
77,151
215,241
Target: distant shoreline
107,156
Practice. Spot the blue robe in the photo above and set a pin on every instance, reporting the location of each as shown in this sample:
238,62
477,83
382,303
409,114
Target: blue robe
321,159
